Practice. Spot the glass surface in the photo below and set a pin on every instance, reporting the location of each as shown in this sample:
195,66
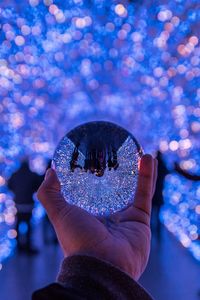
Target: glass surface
97,166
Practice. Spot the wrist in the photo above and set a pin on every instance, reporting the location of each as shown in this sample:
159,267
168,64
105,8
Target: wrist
88,272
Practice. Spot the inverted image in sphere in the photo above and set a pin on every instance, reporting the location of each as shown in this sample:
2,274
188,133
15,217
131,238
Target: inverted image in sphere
97,165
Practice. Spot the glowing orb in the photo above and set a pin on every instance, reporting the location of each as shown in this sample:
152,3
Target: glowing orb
97,166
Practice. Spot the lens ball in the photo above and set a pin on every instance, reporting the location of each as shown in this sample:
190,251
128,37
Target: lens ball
97,166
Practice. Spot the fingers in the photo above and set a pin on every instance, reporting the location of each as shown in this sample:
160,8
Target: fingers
50,196
51,180
146,184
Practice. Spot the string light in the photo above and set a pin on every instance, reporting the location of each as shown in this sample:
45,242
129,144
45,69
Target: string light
64,63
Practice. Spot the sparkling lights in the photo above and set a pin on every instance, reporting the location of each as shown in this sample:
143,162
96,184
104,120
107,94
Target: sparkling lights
63,63
97,165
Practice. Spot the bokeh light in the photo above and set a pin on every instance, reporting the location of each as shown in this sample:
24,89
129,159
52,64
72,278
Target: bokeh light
67,62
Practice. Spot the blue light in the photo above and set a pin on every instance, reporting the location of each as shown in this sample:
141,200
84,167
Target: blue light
23,228
63,63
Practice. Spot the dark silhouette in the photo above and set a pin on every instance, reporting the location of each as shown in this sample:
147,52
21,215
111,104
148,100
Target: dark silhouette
95,161
24,183
86,162
74,160
190,177
112,160
158,200
49,235
110,163
115,161
186,174
101,158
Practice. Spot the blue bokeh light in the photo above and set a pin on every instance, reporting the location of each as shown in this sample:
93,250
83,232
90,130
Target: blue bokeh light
136,64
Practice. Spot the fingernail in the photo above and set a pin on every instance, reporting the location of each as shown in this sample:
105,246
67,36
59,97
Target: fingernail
48,172
53,165
139,163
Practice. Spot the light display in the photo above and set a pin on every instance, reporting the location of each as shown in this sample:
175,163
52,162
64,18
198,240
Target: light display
135,63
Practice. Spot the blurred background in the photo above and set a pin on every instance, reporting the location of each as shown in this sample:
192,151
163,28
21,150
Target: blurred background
135,63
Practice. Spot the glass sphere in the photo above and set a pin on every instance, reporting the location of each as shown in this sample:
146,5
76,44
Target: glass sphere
97,166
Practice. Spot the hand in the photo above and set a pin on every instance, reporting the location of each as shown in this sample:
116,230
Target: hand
123,239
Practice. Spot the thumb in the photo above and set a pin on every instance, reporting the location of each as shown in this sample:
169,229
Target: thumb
51,179
49,194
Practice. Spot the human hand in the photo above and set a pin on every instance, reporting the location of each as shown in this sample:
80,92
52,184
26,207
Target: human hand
123,239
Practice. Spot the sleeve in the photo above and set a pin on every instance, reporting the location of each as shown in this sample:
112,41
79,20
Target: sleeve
86,277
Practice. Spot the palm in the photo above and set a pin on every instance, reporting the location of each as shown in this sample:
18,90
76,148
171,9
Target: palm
123,239
115,239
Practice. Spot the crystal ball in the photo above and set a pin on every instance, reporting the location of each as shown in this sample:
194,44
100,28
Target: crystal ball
97,166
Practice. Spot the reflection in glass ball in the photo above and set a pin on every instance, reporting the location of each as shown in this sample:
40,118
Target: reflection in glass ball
97,166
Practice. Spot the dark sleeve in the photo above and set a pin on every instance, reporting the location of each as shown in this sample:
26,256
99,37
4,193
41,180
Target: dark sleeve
86,277
165,170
